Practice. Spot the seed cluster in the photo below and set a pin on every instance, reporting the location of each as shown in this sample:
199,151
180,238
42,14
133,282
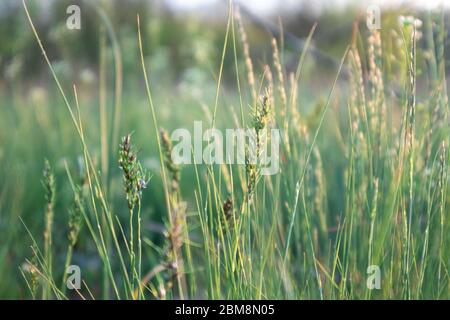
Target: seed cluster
133,176
260,121
173,168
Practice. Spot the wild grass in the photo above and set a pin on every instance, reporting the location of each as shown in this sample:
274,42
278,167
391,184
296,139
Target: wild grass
363,181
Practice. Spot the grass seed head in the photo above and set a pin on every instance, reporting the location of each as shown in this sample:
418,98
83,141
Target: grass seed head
173,168
134,178
48,182
75,217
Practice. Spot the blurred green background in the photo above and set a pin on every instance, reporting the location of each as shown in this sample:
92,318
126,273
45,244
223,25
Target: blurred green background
183,52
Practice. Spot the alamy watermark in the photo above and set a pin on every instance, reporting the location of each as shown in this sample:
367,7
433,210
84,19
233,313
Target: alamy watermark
373,18
74,277
234,146
373,277
73,22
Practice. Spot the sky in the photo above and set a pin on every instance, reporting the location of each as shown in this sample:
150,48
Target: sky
269,6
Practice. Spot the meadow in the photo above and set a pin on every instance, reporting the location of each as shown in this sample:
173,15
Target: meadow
359,209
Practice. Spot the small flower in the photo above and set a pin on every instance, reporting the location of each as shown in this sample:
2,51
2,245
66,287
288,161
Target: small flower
409,21
418,23
142,183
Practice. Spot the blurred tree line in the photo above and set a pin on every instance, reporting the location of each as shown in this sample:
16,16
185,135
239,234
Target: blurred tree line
172,43
179,45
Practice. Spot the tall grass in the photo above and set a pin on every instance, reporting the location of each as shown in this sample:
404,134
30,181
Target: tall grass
363,181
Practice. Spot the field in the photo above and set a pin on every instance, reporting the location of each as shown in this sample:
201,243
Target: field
94,206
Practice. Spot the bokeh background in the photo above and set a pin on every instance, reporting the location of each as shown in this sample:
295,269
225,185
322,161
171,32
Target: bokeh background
183,42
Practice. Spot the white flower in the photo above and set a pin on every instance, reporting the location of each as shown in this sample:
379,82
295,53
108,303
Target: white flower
418,23
409,21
